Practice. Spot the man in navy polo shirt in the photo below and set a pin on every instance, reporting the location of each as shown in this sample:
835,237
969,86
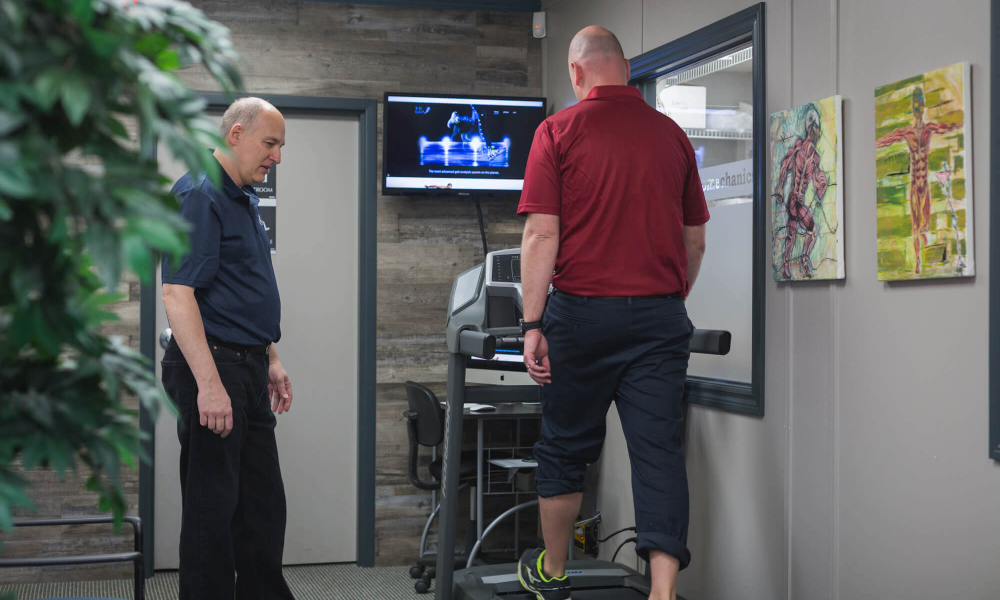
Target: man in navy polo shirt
223,372
616,210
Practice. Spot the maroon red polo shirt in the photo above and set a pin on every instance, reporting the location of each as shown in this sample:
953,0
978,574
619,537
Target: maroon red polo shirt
623,180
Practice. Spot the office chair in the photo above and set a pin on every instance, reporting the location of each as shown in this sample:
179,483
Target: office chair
135,557
425,427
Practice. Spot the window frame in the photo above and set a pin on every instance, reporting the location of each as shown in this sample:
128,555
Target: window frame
717,38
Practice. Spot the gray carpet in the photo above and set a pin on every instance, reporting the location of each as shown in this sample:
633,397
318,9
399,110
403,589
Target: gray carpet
317,582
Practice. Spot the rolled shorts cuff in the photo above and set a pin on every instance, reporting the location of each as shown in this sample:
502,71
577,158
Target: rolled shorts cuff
547,488
665,543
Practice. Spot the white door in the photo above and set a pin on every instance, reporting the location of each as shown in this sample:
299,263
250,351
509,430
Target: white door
316,265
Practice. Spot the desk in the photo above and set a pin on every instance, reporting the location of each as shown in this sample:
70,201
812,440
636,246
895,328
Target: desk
509,410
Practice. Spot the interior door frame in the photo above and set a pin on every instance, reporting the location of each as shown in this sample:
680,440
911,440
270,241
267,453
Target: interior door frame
366,110
994,347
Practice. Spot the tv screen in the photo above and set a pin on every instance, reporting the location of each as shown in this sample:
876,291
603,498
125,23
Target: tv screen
457,144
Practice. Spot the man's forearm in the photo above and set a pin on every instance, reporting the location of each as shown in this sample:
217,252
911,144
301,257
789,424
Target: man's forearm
538,259
189,331
694,245
695,255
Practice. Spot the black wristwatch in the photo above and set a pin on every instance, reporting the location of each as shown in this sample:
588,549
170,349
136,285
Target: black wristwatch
527,326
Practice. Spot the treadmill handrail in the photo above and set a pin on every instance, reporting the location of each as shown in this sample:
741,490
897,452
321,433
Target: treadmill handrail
711,341
477,344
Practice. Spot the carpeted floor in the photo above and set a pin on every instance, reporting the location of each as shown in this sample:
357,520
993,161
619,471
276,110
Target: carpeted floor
316,582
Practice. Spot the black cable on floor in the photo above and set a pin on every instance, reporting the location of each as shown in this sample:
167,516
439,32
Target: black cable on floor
630,540
482,228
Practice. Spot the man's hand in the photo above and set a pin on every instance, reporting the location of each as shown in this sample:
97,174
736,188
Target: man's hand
536,357
215,408
280,388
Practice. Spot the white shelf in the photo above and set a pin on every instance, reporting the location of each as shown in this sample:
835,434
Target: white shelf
718,134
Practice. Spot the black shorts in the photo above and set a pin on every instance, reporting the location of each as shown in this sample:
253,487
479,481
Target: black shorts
634,351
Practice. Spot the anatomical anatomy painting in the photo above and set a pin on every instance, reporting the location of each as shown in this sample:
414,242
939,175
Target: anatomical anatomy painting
923,176
807,192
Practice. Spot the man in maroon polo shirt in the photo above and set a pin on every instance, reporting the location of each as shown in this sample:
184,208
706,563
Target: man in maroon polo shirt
615,210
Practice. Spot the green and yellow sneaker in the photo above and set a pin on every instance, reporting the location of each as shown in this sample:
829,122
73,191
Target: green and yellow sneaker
534,579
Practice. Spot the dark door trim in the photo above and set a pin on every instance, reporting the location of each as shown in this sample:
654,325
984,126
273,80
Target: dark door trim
994,349
366,111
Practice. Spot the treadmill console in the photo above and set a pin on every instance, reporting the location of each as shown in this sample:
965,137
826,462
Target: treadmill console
506,268
487,298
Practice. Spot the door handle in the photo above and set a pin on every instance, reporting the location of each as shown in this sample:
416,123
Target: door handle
165,336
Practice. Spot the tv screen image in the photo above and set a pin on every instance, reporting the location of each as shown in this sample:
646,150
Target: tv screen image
438,143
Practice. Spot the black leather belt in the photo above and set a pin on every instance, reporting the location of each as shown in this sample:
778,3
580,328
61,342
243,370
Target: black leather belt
261,349
622,298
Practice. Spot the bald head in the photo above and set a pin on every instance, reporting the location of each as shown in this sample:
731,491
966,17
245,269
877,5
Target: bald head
245,112
596,58
254,132
595,43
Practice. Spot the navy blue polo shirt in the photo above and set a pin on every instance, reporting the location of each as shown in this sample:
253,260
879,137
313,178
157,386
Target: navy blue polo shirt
230,261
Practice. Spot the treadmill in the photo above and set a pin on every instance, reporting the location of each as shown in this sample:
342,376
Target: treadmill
484,313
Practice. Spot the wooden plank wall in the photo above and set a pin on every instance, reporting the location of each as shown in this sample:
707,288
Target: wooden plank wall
351,51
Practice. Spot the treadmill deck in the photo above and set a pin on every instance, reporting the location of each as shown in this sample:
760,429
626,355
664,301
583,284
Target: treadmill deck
617,593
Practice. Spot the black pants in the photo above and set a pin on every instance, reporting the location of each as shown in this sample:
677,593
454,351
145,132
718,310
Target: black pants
634,351
233,499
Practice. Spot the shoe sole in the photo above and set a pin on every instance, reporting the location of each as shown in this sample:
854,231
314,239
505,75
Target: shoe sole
525,586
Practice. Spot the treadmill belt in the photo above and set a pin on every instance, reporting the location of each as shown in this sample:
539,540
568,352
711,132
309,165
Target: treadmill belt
615,593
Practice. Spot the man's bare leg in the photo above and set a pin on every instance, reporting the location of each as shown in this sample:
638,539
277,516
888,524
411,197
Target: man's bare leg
558,515
663,568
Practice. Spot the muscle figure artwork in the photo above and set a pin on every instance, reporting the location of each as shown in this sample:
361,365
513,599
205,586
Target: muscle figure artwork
921,124
805,151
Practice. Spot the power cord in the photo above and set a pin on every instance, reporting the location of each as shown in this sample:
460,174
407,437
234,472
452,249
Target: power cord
482,229
601,541
628,541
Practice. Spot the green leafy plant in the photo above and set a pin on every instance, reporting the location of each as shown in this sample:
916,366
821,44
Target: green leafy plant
79,202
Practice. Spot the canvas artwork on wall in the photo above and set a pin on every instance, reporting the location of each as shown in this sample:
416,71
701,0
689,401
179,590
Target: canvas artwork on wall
807,192
923,160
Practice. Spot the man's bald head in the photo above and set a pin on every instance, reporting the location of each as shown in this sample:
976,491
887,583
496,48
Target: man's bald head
596,58
595,43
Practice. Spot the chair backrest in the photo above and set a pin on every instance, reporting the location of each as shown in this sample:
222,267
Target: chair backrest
430,416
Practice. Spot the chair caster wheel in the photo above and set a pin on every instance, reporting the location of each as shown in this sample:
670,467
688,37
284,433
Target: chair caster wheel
426,577
416,572
421,587
432,571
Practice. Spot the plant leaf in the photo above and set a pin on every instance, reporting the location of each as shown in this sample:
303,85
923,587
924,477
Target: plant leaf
102,245
168,60
138,257
47,86
83,12
9,122
103,43
116,128
5,211
158,235
47,339
11,57
75,99
152,44
15,182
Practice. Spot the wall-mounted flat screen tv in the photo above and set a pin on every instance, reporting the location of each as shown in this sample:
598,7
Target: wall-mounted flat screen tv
458,144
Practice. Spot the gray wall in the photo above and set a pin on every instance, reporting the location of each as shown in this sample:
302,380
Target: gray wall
868,477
